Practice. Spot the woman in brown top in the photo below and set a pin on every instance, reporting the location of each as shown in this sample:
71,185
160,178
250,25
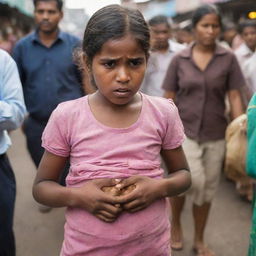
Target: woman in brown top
198,79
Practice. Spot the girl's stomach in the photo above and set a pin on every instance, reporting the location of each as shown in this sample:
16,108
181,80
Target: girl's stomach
128,226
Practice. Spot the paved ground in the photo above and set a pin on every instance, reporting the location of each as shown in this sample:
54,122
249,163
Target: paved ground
40,234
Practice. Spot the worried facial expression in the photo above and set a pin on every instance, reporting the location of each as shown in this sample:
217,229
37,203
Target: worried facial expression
47,16
118,69
207,29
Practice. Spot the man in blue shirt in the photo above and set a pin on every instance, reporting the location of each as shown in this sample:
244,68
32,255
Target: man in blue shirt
12,113
48,73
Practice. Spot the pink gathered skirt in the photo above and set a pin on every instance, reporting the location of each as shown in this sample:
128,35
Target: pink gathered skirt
146,232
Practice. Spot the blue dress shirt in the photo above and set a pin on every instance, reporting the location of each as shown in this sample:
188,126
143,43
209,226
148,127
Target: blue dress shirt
12,107
48,74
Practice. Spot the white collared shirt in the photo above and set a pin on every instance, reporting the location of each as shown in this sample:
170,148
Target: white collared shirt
158,64
250,72
243,53
12,107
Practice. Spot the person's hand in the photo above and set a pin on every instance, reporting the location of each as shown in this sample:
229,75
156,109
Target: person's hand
142,192
91,198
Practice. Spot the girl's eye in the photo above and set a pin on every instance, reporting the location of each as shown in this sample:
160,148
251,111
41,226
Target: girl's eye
109,64
136,62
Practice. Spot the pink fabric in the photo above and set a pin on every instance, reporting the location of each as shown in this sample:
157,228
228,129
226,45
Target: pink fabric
98,151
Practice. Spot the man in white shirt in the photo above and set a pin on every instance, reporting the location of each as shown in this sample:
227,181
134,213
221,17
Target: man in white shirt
247,30
250,73
12,113
162,51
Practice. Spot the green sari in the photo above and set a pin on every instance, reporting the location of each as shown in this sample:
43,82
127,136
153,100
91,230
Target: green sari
251,165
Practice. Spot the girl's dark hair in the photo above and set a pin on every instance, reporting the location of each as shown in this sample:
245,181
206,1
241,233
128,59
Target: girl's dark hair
113,22
204,10
59,3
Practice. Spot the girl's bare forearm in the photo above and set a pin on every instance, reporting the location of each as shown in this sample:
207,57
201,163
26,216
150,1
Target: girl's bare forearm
54,195
176,183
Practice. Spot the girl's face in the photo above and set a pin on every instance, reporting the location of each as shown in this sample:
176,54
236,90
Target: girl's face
207,30
118,69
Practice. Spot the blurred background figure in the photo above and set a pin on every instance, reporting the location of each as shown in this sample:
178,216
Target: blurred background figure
12,113
47,70
13,25
247,30
198,79
231,36
162,50
184,34
250,67
5,41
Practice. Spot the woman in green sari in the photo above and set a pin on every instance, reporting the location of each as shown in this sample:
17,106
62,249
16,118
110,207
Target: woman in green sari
251,165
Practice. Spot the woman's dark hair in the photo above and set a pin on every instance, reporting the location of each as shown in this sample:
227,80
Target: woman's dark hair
204,10
59,3
113,22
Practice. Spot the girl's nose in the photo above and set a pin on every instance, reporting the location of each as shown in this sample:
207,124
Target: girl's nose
123,75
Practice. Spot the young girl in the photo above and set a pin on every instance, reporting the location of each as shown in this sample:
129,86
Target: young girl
115,194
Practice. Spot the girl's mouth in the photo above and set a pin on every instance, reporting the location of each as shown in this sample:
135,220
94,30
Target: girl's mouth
122,92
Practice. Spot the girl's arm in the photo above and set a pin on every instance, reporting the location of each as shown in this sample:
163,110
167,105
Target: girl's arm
236,104
179,178
90,197
148,190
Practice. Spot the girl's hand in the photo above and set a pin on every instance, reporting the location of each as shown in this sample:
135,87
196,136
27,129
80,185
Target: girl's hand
91,198
144,192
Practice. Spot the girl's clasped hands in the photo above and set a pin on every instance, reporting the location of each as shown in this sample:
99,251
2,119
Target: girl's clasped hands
108,198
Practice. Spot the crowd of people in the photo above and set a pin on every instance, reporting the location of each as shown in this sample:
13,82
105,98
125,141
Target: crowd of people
13,26
160,93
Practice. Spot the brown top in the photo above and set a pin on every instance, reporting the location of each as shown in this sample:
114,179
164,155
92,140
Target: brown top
200,95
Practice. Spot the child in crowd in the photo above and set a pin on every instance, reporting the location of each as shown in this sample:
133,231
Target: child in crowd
116,194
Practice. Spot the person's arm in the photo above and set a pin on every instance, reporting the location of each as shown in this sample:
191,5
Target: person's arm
17,56
179,179
90,197
235,83
236,104
12,107
148,190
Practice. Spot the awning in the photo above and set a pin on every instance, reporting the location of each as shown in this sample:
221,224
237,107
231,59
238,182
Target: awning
23,6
